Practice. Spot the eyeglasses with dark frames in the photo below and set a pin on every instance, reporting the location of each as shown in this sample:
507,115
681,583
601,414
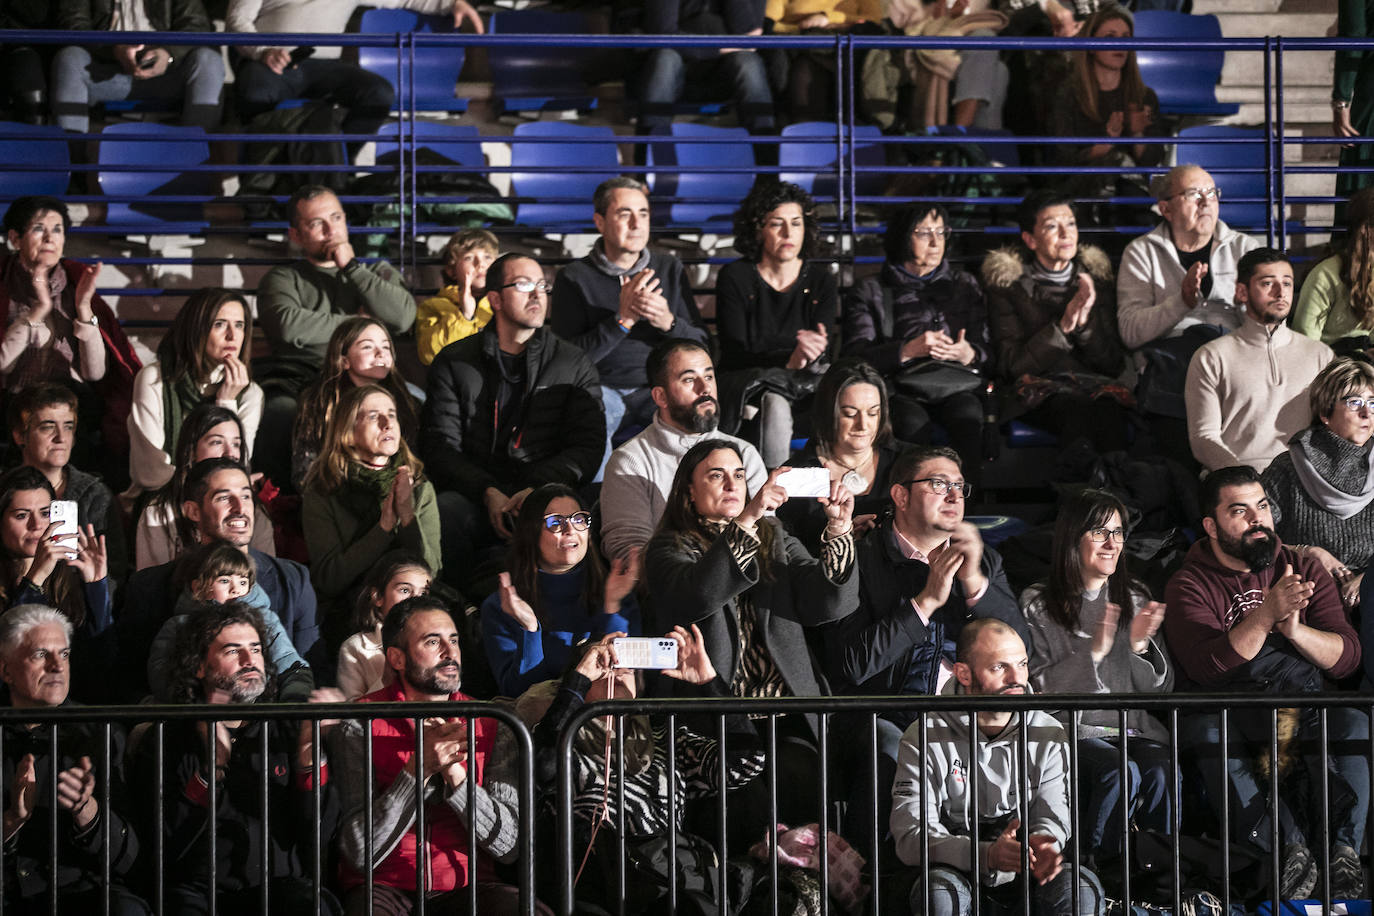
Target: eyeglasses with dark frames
526,285
580,521
939,486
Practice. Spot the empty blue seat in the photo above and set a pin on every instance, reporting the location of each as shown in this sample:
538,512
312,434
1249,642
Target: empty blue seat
704,199
35,146
552,196
1245,217
540,77
459,143
436,68
1185,80
817,162
129,152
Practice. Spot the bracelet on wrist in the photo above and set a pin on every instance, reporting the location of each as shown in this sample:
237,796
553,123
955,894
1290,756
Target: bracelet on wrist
1340,104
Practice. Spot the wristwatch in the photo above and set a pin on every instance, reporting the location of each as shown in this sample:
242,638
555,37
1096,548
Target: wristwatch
93,321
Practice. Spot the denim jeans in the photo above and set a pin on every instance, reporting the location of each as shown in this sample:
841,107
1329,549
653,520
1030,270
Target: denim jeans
1099,815
739,76
78,81
622,405
951,894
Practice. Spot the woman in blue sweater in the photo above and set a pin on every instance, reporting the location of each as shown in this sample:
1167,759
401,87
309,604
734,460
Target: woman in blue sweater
556,593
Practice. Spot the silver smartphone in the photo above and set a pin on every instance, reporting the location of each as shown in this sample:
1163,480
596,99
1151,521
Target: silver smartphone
645,652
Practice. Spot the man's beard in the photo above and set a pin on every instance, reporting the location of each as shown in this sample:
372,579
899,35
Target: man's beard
432,680
1255,552
693,420
240,689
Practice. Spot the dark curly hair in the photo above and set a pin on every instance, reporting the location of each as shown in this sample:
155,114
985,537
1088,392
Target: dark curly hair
753,212
897,239
197,634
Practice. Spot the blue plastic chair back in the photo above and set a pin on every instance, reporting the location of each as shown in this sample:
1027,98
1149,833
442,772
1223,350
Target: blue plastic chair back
1245,217
39,146
559,197
540,78
436,68
818,160
1185,80
705,198
459,143
170,146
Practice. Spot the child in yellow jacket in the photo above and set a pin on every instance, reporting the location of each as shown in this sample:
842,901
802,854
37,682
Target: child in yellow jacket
460,309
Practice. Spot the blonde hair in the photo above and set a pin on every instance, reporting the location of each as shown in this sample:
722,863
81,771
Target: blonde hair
1357,259
330,470
1341,378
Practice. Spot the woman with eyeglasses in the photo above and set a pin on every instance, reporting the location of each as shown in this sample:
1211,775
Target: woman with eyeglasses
1094,630
364,495
555,594
1323,485
923,324
1336,305
720,561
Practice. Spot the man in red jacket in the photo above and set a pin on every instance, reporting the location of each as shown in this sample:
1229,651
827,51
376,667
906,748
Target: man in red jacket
1248,614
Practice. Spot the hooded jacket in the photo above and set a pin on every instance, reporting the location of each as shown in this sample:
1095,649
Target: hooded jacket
1025,314
1206,600
947,800
559,438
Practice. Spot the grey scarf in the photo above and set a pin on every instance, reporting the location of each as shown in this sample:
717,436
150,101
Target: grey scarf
1340,503
603,264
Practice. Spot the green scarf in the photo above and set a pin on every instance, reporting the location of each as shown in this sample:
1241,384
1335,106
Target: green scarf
365,489
178,399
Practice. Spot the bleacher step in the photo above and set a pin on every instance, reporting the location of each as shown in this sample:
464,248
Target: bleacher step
1235,24
1218,7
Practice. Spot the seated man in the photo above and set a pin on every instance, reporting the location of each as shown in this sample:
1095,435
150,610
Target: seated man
109,73
640,473
35,664
1177,277
991,660
220,662
267,75
509,409
420,638
219,503
43,425
1248,614
1246,392
621,300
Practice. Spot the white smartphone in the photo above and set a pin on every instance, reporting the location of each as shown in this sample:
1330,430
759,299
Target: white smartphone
805,482
645,652
64,512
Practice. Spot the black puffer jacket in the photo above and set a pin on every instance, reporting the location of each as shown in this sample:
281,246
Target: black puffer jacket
1025,318
560,437
949,300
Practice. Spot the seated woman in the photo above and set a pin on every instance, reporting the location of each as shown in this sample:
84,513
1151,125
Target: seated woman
461,308
1323,485
203,359
648,778
555,593
1093,630
1105,97
395,577
719,561
36,567
364,495
162,533
359,353
851,437
923,323
1052,306
775,309
1336,305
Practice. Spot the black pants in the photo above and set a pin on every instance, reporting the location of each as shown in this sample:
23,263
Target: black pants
367,96
1073,416
960,415
24,78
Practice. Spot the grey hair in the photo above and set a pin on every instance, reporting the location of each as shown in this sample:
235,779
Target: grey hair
601,197
1162,186
16,623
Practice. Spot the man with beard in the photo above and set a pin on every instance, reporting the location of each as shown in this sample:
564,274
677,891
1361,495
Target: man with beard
640,472
219,661
509,409
218,502
1249,614
1247,392
990,660
420,637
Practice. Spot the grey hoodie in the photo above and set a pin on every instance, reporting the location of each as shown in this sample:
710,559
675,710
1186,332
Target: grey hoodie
947,798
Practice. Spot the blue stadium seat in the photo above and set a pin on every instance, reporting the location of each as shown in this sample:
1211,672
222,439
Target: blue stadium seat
555,198
436,68
1246,217
707,199
460,143
1005,153
39,146
127,149
817,161
1185,80
540,78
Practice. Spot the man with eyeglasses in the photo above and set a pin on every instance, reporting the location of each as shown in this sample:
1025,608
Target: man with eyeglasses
1246,393
509,408
922,576
1178,276
622,299
1249,614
